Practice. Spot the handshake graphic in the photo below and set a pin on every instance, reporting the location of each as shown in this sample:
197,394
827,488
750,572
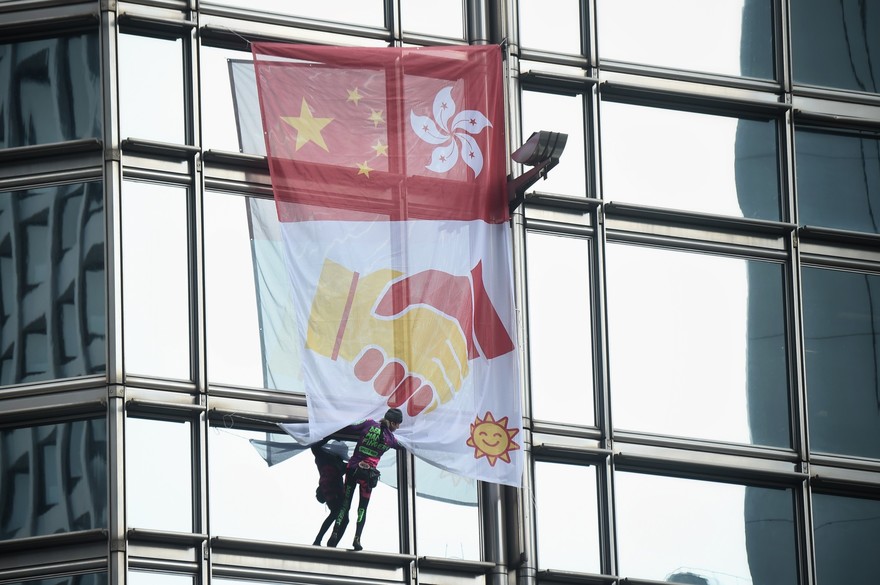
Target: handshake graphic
412,336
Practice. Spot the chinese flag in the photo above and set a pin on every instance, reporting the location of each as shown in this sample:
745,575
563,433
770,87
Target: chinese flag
388,169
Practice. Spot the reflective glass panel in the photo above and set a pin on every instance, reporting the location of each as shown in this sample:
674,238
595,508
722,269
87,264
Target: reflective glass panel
551,25
280,483
447,514
158,474
835,44
52,289
54,478
151,89
251,323
50,90
157,578
845,534
558,113
689,531
670,34
363,12
155,280
567,517
838,180
85,579
697,345
560,328
230,106
442,18
842,349
692,161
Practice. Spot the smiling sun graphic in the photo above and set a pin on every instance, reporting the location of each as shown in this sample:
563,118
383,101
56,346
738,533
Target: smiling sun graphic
492,439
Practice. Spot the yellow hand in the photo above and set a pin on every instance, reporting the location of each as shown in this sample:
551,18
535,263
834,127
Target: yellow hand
429,344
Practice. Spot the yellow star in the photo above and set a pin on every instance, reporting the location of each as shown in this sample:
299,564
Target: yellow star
376,116
308,128
354,96
364,169
381,149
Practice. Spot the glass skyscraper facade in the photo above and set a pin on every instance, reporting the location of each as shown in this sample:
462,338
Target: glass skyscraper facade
695,287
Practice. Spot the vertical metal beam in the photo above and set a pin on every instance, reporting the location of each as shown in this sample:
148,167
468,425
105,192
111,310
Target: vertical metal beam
117,562
478,29
519,549
112,193
117,565
393,21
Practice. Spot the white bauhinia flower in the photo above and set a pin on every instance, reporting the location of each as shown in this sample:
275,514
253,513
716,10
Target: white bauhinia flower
452,133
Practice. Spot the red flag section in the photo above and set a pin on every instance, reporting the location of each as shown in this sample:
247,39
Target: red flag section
384,133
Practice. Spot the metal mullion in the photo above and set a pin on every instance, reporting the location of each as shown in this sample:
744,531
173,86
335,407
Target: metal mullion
201,522
599,336
799,420
519,516
117,562
782,35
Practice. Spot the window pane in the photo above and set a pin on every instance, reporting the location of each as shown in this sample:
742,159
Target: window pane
363,12
558,113
846,532
447,514
85,579
159,483
688,531
691,161
54,479
286,509
707,335
230,107
838,180
841,334
567,517
50,90
667,34
560,328
251,321
835,44
551,25
151,89
444,18
52,289
156,578
155,280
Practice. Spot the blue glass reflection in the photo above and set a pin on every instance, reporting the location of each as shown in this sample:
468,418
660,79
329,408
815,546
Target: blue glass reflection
86,579
846,532
54,479
50,90
835,44
842,345
838,180
52,290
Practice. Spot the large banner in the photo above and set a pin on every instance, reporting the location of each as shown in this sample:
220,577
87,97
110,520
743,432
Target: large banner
388,168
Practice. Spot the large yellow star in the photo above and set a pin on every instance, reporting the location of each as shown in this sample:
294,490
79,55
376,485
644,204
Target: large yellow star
308,128
364,169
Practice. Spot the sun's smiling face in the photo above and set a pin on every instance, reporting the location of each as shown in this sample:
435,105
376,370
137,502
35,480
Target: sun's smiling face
492,439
